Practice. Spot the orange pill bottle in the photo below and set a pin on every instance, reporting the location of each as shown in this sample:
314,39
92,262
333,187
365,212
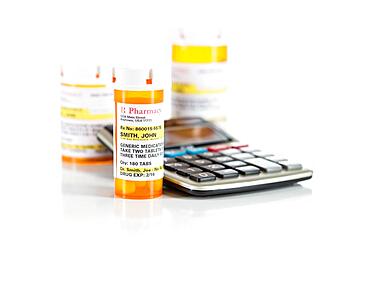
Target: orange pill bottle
138,135
86,107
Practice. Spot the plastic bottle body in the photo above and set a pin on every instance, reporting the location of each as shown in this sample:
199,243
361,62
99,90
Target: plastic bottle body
199,78
86,107
138,143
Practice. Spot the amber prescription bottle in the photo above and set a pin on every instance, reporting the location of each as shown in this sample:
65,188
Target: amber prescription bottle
138,135
86,107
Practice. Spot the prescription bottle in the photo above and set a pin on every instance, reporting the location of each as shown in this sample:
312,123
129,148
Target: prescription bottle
86,107
138,134
198,75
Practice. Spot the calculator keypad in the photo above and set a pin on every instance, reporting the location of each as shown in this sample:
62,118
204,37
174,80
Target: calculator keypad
225,161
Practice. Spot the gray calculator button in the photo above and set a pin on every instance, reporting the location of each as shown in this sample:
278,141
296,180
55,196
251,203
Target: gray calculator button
214,167
242,156
234,164
209,154
262,154
248,170
291,166
226,174
222,159
276,158
249,150
265,165
230,151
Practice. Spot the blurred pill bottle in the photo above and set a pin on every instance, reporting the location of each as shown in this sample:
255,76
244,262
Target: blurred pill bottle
198,74
138,134
86,107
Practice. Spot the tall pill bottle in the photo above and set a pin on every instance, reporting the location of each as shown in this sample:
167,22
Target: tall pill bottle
138,134
199,75
86,107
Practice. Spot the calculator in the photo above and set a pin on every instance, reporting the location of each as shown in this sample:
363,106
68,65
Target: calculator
201,159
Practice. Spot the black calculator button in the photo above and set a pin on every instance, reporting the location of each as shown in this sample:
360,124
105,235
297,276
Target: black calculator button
222,159
187,158
188,171
248,170
214,167
226,173
204,176
209,154
201,162
241,156
234,164
176,166
266,165
291,166
167,160
230,151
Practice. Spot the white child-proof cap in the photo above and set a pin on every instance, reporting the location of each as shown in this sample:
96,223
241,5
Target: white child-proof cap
85,74
133,78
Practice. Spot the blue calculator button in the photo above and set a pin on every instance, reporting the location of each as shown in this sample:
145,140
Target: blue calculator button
196,150
171,153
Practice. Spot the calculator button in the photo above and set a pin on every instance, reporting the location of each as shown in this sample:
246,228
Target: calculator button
242,156
187,158
176,166
262,154
248,170
196,150
167,160
188,171
217,148
201,162
230,151
265,165
204,176
276,158
291,166
209,154
234,164
172,153
239,145
222,159
249,150
214,167
226,174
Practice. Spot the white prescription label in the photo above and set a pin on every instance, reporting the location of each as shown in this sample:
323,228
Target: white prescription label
198,89
85,111
139,142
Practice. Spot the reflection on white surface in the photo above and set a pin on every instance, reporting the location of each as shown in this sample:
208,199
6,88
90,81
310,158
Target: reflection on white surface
88,194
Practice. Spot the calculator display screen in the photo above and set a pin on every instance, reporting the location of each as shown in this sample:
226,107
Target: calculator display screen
194,135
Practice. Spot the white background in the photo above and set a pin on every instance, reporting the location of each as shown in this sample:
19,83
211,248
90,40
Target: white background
299,86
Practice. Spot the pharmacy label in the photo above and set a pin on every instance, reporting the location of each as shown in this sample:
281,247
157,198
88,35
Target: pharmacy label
139,142
84,112
198,89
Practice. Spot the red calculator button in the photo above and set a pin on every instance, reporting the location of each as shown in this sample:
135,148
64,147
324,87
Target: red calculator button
217,148
239,145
